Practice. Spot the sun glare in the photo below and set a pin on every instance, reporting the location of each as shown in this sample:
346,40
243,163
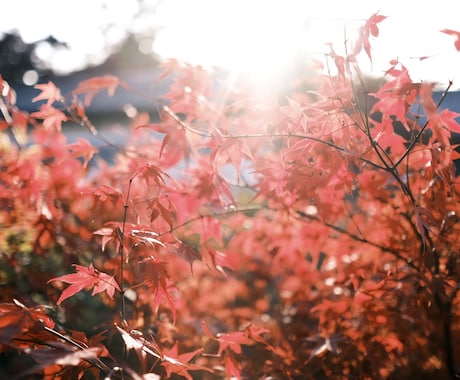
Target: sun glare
255,39
260,40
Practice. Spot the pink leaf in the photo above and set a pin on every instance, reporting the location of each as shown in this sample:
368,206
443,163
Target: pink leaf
50,93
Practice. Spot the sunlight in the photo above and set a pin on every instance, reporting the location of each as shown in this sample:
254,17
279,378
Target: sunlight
258,40
263,41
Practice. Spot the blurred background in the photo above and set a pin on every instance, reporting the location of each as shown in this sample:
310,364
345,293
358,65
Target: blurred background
260,38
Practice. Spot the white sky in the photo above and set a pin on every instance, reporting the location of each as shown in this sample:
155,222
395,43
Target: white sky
246,34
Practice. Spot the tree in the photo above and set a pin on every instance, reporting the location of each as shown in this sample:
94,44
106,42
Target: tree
257,238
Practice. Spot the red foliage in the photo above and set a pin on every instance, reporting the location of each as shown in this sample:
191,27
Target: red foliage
84,278
236,237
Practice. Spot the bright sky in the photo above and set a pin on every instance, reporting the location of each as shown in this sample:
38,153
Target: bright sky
253,36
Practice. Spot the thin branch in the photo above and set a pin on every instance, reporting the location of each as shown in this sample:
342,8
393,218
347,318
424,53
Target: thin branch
122,250
341,230
97,362
424,127
9,120
211,215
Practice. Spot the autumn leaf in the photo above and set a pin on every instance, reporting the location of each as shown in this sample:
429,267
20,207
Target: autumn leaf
370,28
232,368
158,209
232,340
107,233
179,364
455,34
49,92
59,355
145,237
175,143
82,148
189,253
218,260
226,148
424,222
134,340
86,278
93,86
105,192
156,275
150,172
52,117
64,354
16,319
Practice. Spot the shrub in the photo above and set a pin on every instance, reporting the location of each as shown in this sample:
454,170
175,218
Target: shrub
265,237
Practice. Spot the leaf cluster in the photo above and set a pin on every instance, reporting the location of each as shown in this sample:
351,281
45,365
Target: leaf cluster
305,236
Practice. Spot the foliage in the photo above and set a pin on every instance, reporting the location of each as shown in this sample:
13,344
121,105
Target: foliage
312,234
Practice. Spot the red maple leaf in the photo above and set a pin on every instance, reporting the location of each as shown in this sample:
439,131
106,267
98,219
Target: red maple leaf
86,278
82,148
175,142
455,34
158,209
370,28
92,86
180,363
17,319
52,117
157,276
234,340
232,368
50,93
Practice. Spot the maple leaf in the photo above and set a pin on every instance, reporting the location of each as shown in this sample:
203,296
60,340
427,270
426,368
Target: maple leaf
64,354
58,356
52,117
145,237
189,253
50,93
232,368
16,319
157,275
151,172
175,142
92,86
424,222
227,149
134,340
455,34
82,148
231,341
180,363
86,278
158,209
107,233
105,192
370,28
218,260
